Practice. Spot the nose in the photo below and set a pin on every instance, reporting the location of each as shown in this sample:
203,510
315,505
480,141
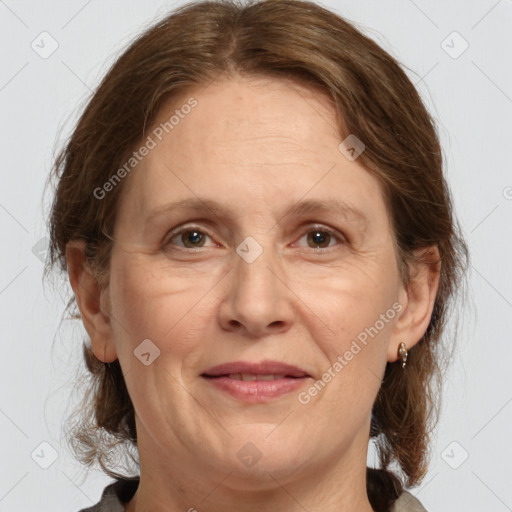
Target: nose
257,300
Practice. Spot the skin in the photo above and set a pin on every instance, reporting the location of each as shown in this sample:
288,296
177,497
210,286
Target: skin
256,146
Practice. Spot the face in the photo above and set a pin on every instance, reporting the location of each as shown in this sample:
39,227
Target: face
281,251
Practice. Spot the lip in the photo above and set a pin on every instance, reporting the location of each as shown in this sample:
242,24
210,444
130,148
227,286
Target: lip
262,368
257,391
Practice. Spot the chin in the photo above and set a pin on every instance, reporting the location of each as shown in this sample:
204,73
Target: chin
259,451
263,475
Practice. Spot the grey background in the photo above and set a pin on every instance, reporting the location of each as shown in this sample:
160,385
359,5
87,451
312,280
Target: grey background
470,96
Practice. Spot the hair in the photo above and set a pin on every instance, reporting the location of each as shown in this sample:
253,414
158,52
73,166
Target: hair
302,42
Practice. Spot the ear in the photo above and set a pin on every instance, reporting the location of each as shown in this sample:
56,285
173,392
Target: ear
92,301
417,299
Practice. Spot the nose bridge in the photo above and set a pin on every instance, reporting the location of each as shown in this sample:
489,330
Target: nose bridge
258,300
255,272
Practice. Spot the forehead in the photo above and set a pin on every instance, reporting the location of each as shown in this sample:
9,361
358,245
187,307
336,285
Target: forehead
251,113
250,141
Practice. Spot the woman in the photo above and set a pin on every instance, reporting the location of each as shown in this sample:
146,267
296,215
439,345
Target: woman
255,224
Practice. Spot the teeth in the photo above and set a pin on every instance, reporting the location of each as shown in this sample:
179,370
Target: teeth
250,376
279,376
265,377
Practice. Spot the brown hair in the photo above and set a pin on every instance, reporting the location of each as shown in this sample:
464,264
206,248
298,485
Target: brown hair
285,39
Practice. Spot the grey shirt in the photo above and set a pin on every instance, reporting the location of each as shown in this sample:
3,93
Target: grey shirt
122,491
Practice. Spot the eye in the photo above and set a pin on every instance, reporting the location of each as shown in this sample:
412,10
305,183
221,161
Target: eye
189,237
321,237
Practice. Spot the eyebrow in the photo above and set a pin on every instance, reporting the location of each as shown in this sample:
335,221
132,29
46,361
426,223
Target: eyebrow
300,208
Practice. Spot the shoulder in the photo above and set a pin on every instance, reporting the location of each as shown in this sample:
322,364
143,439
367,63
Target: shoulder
406,502
114,495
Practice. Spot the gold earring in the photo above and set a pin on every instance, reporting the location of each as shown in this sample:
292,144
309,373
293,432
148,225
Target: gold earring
403,353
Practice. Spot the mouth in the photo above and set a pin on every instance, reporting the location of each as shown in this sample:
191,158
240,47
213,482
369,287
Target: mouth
256,382
249,377
265,369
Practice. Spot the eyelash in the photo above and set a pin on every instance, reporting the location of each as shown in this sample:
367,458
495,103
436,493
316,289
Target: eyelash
319,228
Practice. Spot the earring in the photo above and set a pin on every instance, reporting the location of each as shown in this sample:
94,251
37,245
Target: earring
403,353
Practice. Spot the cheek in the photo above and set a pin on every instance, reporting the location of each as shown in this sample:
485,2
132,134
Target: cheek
357,302
352,330
357,309
148,303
